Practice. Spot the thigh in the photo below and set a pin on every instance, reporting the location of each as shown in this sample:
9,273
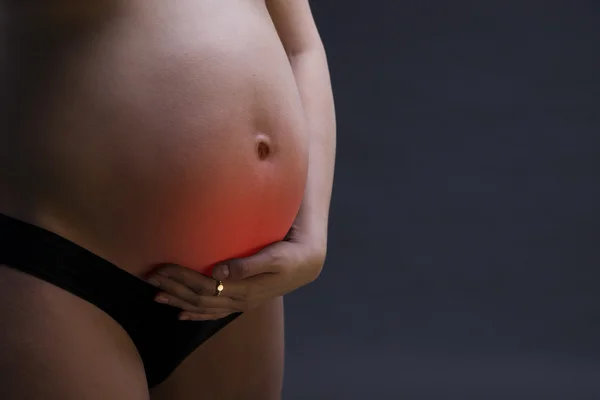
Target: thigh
243,361
55,345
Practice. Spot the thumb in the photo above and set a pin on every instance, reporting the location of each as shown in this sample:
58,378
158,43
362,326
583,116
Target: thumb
266,260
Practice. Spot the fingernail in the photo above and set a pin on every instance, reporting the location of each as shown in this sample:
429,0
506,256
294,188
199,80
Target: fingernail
162,300
221,272
154,282
184,318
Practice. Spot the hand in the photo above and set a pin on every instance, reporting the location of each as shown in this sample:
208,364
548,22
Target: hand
248,282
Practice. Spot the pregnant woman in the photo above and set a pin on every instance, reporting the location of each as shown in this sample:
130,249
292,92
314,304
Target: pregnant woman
165,177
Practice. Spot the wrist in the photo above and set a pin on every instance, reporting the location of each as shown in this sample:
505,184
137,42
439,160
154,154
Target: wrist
312,226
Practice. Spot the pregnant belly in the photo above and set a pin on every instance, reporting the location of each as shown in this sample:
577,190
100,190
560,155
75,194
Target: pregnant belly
246,195
177,139
249,190
192,199
226,196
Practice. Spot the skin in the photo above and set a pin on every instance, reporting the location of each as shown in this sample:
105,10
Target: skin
289,264
254,284
245,360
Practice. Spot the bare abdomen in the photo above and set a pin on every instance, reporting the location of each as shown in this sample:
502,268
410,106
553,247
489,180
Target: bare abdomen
175,136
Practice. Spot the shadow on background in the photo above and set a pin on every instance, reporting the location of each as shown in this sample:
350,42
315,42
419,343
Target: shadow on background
464,250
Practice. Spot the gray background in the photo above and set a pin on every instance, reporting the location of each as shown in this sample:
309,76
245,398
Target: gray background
464,257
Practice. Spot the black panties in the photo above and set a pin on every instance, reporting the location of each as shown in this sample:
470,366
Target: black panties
162,340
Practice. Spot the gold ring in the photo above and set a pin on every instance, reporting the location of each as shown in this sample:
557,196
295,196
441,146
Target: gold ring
220,288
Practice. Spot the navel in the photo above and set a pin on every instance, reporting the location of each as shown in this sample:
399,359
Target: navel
264,147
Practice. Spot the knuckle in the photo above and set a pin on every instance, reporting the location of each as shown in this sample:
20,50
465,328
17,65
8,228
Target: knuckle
169,271
206,289
243,268
175,290
276,258
197,301
202,287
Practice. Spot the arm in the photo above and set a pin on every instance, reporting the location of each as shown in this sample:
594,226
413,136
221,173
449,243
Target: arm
298,33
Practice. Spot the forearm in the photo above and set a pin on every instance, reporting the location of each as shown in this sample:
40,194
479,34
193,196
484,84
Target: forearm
312,78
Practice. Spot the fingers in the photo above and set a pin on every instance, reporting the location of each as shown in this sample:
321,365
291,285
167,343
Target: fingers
188,284
198,307
179,295
193,280
174,288
195,293
267,260
191,284
191,316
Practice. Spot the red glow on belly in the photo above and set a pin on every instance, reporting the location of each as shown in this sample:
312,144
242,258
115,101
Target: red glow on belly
237,219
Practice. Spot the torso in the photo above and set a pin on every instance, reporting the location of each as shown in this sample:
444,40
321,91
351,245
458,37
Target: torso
176,135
